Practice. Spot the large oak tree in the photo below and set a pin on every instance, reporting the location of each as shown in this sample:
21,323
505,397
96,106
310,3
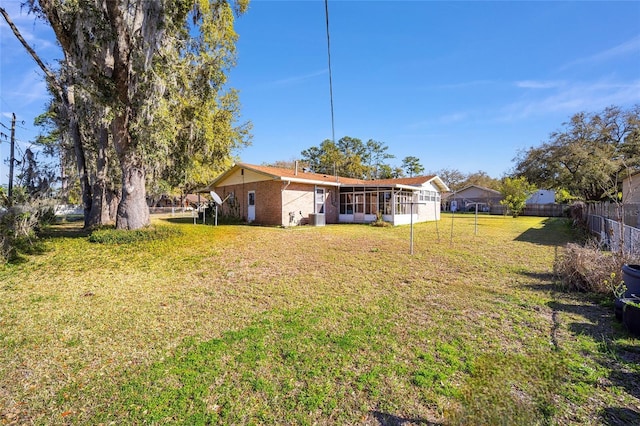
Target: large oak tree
589,156
142,62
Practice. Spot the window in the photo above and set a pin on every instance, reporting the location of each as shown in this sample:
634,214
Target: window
359,203
384,202
403,202
429,196
346,203
319,200
371,203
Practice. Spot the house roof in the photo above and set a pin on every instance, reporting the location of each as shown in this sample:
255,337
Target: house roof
300,175
280,173
482,188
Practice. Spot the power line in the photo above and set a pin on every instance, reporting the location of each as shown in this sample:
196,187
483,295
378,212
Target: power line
326,13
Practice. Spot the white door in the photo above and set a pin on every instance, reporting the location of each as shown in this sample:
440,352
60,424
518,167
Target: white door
251,210
358,208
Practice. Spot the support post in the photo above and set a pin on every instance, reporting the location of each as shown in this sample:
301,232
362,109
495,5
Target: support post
411,227
12,157
476,221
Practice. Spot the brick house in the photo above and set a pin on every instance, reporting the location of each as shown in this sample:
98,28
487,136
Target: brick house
289,197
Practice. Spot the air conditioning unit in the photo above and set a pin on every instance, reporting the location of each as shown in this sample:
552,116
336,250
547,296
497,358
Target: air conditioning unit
316,219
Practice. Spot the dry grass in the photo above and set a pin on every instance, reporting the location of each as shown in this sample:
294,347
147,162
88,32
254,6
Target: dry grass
589,268
328,325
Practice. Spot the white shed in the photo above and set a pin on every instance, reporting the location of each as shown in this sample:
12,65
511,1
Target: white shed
542,196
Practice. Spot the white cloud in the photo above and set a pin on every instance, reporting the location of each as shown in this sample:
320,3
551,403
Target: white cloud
453,118
37,33
29,89
446,119
629,47
532,84
461,85
573,98
298,78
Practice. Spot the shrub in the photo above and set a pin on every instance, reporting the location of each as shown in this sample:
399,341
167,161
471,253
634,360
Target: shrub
19,225
379,222
121,236
589,268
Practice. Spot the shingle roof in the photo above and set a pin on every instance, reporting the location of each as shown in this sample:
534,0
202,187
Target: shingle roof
416,180
291,174
482,188
288,173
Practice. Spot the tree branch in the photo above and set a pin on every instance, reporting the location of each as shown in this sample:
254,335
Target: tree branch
50,76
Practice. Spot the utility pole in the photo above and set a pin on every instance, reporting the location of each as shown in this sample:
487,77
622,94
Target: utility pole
12,157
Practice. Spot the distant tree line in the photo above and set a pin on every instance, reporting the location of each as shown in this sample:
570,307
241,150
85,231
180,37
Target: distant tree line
351,157
589,157
457,180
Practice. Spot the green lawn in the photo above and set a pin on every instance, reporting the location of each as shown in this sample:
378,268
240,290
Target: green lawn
326,325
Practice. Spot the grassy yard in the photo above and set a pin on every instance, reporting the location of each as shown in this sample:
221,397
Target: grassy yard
327,325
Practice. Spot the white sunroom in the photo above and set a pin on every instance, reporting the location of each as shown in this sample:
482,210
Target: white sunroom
395,202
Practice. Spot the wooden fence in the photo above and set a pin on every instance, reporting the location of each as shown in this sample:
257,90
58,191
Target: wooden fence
544,210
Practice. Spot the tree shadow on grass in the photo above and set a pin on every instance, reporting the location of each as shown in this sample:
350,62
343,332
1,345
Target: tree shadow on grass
65,230
554,232
24,247
600,325
183,220
35,247
546,280
385,419
619,416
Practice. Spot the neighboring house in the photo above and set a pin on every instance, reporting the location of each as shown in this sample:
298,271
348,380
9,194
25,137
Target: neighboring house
187,201
467,198
631,189
542,196
287,197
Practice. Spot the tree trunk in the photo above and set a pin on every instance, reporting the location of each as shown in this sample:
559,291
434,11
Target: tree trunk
113,199
133,211
66,99
81,162
99,207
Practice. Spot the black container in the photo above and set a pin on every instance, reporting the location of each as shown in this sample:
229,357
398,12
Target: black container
619,304
631,317
631,278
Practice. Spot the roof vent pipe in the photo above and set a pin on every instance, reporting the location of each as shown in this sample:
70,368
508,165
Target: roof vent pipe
296,170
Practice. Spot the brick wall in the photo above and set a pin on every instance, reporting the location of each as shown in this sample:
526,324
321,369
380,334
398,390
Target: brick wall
268,201
273,206
299,199
233,206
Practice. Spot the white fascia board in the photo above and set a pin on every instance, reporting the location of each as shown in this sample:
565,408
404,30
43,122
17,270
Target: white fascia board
439,183
308,181
409,187
393,186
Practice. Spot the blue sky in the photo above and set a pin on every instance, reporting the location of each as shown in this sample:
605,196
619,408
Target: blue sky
458,84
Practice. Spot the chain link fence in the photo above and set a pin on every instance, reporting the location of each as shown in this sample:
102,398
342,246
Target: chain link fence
615,225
